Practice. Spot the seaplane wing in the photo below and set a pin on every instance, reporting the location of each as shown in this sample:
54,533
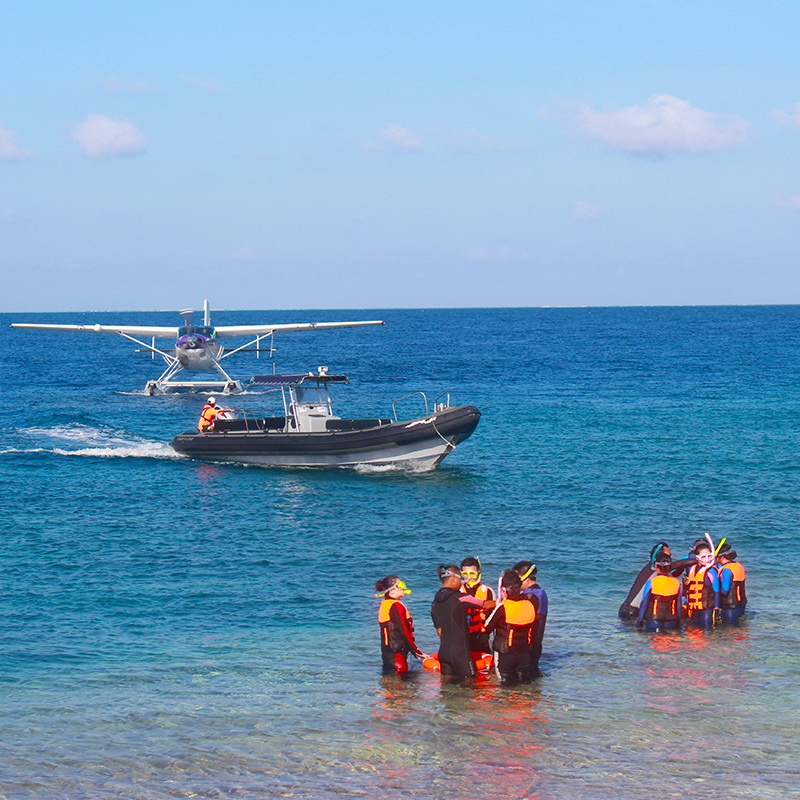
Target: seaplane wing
224,331
126,330
197,348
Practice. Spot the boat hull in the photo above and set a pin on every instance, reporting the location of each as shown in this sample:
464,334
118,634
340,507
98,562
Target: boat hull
422,443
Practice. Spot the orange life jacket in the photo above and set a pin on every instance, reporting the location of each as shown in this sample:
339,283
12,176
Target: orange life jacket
476,617
662,603
699,593
736,596
391,634
516,634
207,417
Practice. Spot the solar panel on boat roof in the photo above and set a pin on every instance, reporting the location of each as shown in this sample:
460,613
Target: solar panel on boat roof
287,380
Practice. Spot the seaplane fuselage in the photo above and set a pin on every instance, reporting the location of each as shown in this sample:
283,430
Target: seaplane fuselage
197,348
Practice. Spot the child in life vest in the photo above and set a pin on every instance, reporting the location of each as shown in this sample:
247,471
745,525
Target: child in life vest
512,622
662,598
732,592
397,628
701,587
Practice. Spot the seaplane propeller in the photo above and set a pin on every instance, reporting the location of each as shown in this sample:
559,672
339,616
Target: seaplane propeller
197,348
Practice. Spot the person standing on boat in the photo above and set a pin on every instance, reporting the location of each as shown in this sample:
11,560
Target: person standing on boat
476,615
449,617
397,627
538,596
208,416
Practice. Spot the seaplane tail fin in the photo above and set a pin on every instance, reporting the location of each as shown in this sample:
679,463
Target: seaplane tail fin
224,331
130,330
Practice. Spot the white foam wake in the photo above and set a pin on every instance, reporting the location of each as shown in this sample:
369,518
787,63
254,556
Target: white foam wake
405,466
96,442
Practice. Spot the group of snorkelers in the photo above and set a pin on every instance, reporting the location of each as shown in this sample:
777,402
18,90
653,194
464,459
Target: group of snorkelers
705,588
473,626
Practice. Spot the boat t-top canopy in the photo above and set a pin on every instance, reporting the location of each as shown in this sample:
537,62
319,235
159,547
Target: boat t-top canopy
297,379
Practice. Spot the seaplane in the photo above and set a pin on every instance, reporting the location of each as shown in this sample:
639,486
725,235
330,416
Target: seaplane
197,348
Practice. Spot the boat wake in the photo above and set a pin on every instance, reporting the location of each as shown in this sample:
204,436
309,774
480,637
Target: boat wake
85,440
407,467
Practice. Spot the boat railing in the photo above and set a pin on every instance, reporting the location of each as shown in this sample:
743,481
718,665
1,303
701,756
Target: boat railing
437,406
400,399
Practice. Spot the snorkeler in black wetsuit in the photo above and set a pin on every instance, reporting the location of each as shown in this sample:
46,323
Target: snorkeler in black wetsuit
630,605
449,617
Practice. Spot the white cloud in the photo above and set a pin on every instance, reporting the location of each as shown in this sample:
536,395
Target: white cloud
788,116
664,125
102,137
10,148
583,210
396,137
790,202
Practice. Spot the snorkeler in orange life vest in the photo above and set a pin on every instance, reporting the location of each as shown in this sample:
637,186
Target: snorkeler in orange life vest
702,587
397,628
512,621
732,592
476,616
661,601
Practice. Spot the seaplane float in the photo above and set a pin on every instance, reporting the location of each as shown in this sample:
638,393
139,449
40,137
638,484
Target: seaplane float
197,348
308,434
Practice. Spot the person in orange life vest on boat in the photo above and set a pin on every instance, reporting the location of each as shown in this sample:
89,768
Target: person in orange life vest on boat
701,585
732,592
209,414
512,622
538,596
661,599
397,627
476,615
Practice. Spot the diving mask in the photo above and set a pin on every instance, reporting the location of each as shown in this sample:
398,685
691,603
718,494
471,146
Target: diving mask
470,576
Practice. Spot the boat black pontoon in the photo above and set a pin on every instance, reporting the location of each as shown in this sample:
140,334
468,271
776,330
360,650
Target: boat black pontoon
309,435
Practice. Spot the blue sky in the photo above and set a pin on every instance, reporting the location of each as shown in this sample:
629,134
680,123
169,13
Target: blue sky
355,154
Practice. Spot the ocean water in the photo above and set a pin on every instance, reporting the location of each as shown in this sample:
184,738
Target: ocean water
175,629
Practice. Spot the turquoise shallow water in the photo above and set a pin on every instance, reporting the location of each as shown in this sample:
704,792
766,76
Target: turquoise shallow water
179,629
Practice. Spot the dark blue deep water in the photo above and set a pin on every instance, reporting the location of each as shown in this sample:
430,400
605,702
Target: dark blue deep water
175,629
